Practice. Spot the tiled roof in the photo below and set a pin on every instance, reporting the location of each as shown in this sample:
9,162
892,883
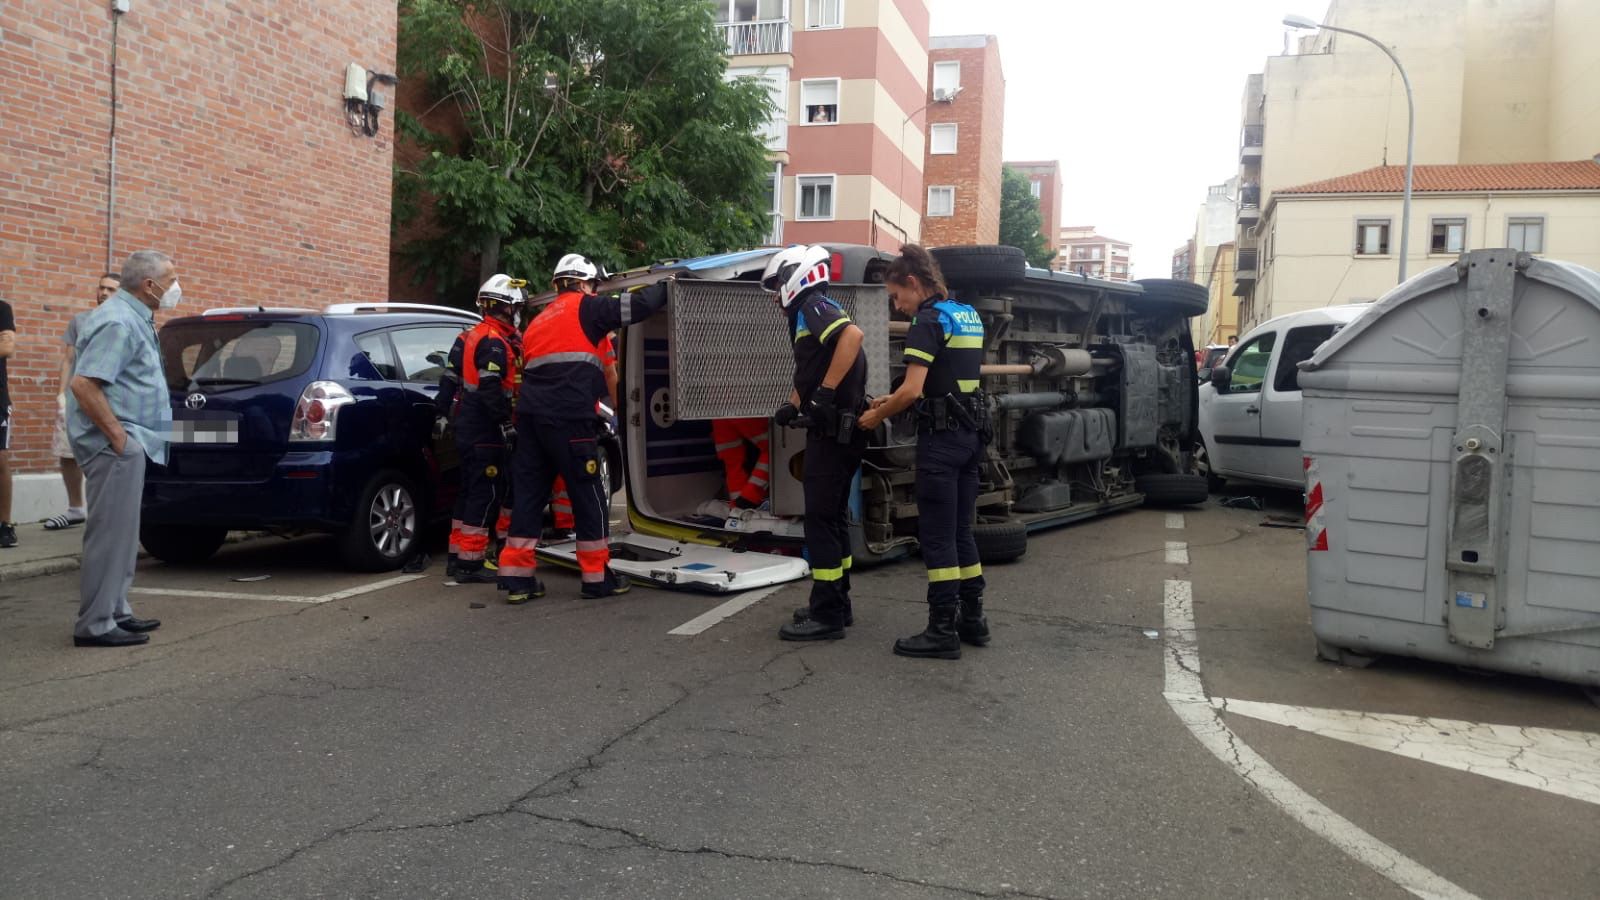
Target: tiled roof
1537,176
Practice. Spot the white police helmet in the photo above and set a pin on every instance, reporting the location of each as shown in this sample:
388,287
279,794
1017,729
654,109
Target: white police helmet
794,270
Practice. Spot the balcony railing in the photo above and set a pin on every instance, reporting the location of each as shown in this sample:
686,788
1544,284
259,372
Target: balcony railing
1245,264
1249,205
1250,142
775,230
776,132
756,38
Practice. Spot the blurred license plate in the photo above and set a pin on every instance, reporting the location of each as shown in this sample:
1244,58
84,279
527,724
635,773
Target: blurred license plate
205,432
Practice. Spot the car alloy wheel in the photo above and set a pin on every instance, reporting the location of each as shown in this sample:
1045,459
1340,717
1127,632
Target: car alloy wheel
392,521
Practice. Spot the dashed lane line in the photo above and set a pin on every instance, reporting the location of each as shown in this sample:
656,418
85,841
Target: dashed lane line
1175,521
1186,695
1177,553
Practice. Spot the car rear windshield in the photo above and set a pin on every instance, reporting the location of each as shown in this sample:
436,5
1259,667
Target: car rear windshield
230,353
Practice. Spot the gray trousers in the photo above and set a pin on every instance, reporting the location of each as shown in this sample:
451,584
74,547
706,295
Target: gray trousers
110,538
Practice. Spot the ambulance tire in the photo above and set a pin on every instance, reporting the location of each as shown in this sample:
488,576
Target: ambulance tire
180,544
611,466
1173,490
1000,540
1170,297
981,266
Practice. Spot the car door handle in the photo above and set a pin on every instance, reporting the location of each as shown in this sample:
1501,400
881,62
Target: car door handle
1253,410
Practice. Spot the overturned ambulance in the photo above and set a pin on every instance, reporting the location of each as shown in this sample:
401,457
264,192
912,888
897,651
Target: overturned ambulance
1093,384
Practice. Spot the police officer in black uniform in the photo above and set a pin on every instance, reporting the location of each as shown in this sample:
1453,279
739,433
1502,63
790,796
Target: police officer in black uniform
943,353
830,378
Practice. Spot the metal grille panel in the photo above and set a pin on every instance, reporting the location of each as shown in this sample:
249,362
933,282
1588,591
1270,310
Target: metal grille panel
730,347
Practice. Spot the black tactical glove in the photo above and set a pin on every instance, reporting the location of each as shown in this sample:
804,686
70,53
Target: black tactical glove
785,415
824,408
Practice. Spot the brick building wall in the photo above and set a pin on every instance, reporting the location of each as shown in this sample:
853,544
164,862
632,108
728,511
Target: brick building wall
974,170
233,155
1047,174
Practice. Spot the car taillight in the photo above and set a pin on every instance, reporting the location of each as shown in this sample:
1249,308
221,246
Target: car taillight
836,268
316,415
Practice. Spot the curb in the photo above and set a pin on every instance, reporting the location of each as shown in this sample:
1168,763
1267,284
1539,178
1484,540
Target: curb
38,568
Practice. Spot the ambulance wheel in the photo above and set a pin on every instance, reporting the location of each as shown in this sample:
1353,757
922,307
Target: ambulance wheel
611,466
385,525
1172,490
181,543
981,266
1169,296
1000,540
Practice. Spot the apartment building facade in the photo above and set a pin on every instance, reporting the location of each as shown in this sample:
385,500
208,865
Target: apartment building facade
1549,209
848,77
966,121
232,152
1510,81
1044,177
1084,251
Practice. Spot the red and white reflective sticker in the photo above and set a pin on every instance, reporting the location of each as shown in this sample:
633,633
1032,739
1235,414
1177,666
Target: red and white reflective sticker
1316,529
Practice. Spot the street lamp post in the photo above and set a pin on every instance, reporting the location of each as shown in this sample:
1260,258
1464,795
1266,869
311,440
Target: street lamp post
1411,126
899,187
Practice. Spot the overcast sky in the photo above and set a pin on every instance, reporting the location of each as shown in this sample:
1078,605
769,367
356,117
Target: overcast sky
1138,99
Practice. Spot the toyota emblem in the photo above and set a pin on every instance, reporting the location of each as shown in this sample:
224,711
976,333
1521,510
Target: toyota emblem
195,401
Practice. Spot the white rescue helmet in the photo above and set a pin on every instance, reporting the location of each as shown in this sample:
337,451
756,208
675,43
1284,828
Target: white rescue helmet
578,267
502,289
794,270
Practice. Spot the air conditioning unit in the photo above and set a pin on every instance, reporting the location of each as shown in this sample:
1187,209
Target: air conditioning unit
944,95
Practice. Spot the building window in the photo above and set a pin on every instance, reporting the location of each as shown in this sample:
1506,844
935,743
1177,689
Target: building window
1525,234
776,81
1036,188
1449,236
751,10
942,139
941,201
824,13
815,199
946,79
775,214
1372,237
819,99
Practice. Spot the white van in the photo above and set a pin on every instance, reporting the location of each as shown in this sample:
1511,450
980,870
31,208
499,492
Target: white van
1250,404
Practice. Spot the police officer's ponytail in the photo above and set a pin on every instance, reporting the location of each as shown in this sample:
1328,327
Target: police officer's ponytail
915,260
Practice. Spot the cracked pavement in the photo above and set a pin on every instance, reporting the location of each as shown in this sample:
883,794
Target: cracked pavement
402,744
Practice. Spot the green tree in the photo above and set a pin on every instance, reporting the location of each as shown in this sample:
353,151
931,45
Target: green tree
1019,218
604,127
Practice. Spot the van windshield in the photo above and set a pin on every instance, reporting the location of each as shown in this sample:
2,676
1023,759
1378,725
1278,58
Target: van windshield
219,354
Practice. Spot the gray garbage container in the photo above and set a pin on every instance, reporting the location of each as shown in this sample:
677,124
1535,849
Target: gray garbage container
1452,449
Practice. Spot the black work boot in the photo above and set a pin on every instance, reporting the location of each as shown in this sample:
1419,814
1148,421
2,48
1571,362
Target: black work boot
810,630
972,625
803,614
533,591
452,566
470,573
938,641
613,585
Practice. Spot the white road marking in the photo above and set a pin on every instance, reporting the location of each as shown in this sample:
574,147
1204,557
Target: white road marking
369,588
281,598
716,614
1560,762
1186,695
1175,521
1177,553
222,595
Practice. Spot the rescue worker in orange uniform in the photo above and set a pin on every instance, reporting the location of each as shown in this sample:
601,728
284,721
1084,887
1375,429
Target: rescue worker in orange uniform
477,394
747,489
562,523
558,413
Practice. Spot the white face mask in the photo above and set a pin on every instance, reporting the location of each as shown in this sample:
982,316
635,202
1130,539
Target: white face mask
172,296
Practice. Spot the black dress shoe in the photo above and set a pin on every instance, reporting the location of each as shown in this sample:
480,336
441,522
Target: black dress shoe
116,637
138,625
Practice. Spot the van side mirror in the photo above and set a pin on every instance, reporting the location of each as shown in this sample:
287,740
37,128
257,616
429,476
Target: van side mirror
1221,377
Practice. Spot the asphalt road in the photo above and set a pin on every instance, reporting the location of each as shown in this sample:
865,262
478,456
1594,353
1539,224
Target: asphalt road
399,742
